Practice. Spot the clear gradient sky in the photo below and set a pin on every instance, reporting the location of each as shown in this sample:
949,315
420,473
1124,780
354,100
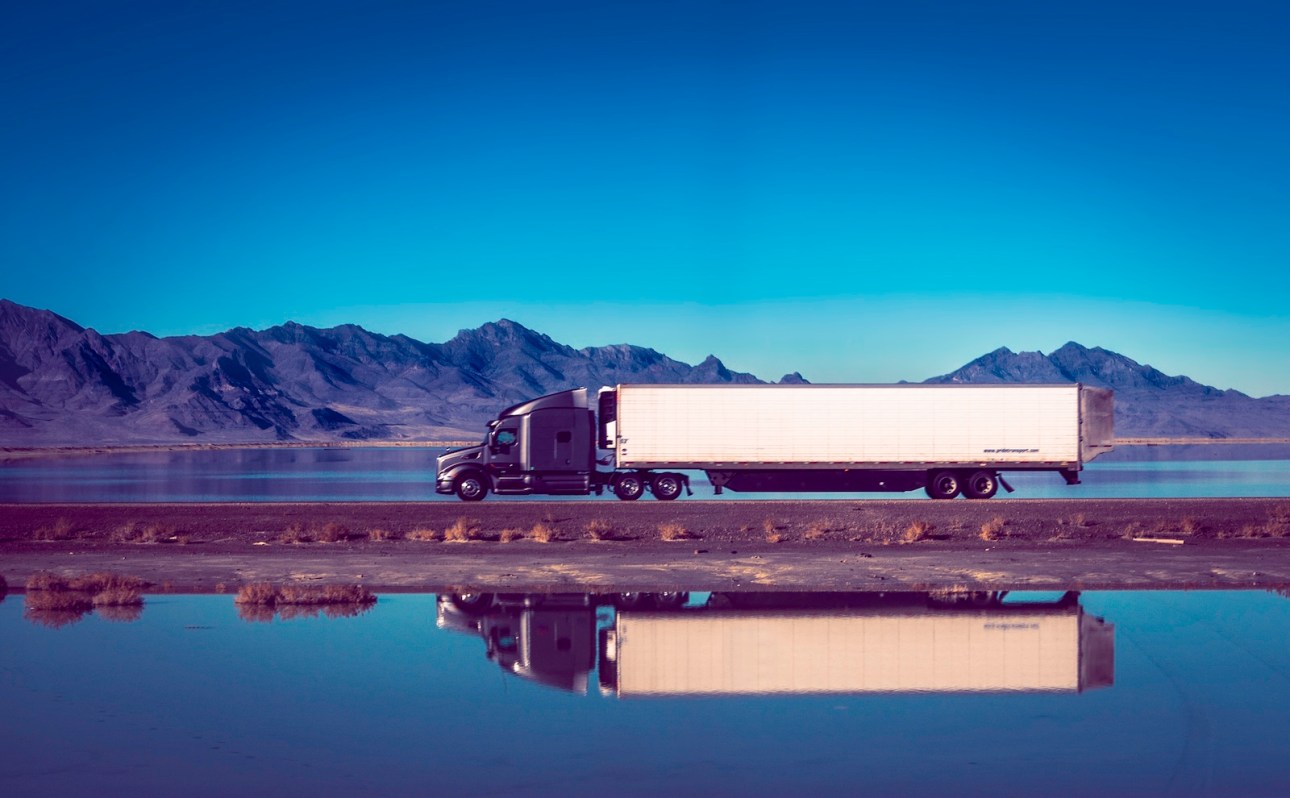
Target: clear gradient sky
859,191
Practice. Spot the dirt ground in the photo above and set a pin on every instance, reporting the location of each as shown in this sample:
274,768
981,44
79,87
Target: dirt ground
649,545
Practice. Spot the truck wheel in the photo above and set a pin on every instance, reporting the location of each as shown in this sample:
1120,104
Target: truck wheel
667,487
629,487
981,485
471,603
943,485
632,601
470,487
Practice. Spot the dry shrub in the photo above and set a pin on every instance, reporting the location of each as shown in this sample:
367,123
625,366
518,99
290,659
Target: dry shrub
876,531
746,527
916,531
671,530
324,594
775,536
59,601
1279,521
258,602
126,533
543,533
381,535
990,529
817,530
768,526
1280,514
105,581
295,533
333,532
508,535
45,580
56,601
118,597
461,531
257,593
220,587
1133,530
1247,531
62,529
158,533
1188,526
600,529
424,535
134,532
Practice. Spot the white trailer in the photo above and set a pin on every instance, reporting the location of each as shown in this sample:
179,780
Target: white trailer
948,438
856,651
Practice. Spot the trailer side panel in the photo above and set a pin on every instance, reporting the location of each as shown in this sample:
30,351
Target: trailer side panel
847,425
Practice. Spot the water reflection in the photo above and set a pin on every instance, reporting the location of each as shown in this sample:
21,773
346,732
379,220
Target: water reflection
191,701
260,613
672,644
59,608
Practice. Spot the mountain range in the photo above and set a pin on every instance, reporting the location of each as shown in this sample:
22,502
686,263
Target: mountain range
62,384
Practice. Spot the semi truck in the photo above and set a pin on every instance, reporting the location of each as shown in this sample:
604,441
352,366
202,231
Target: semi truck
792,643
949,440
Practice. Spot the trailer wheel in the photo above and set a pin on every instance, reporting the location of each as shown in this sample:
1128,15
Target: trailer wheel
470,487
943,485
672,600
667,487
981,485
629,487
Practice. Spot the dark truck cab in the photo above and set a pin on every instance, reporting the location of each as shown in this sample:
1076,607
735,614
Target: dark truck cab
543,446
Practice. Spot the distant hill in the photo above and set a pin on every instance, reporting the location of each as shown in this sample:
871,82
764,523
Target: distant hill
63,384
1148,402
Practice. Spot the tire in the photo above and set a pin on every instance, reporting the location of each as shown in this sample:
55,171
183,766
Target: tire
471,487
667,487
471,603
670,600
943,485
629,487
981,485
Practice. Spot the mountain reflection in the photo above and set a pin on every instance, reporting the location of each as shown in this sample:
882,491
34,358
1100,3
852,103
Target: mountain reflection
669,644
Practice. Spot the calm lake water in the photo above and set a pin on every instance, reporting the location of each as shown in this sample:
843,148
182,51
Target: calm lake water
399,474
1161,693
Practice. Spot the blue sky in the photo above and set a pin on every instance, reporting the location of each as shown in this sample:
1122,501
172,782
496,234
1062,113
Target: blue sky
859,191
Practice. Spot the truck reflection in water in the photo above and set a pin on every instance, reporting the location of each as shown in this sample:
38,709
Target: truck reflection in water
667,644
